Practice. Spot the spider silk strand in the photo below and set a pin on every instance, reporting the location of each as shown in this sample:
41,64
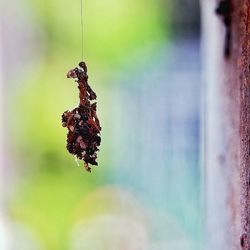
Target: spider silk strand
82,28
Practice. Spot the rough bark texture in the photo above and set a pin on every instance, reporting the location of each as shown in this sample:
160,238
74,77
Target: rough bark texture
227,126
243,71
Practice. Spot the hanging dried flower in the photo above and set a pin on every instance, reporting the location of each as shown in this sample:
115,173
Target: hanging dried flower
83,137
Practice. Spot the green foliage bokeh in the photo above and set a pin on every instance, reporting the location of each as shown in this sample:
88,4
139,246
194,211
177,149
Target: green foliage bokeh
114,32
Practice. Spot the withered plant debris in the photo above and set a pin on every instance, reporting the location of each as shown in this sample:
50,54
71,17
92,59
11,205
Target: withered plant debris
83,125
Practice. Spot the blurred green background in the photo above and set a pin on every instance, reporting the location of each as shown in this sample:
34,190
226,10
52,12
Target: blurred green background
137,198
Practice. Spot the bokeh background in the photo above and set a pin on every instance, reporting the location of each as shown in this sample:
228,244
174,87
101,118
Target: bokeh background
144,64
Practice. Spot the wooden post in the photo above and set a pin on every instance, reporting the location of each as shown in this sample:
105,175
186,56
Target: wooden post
226,51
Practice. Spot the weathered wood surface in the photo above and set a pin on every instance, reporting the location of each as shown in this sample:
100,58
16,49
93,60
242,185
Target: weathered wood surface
227,126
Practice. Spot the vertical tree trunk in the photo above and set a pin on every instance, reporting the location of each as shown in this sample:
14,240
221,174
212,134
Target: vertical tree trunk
227,123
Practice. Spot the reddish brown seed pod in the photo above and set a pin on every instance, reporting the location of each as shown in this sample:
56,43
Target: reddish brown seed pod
83,138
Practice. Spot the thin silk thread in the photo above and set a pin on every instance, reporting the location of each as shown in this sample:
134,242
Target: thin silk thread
82,27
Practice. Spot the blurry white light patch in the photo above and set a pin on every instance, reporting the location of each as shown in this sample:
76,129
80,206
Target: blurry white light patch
124,224
110,232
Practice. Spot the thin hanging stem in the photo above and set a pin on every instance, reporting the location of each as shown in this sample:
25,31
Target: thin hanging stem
82,27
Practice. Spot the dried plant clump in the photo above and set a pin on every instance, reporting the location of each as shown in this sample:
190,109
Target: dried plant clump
84,128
